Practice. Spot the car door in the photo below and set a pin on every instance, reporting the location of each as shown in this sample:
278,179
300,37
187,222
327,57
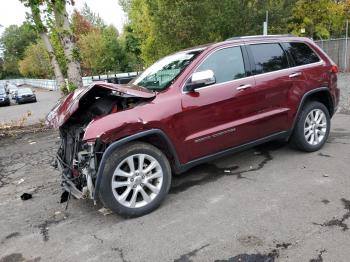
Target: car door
274,81
219,116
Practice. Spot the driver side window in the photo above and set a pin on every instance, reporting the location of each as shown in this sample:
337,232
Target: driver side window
227,64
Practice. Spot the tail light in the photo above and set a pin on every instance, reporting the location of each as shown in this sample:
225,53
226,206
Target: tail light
334,69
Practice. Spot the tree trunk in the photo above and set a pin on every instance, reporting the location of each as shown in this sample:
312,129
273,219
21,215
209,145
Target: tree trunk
54,63
68,41
43,34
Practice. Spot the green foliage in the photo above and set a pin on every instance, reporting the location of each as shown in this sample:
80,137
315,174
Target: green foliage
321,19
101,51
131,60
14,41
159,27
164,26
36,62
58,49
71,87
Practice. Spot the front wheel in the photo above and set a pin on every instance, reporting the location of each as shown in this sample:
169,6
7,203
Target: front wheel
136,180
312,127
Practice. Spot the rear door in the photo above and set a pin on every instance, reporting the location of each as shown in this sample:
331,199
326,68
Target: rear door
274,80
219,116
309,72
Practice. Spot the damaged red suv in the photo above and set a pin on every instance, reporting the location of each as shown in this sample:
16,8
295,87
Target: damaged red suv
121,143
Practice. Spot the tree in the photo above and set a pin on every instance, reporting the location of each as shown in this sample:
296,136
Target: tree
165,26
80,25
131,49
320,19
92,17
36,62
34,6
67,39
14,41
92,48
100,51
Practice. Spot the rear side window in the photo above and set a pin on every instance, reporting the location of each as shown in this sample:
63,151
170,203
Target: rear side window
302,54
268,58
227,64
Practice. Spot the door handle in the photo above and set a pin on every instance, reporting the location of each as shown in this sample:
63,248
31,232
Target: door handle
295,75
242,87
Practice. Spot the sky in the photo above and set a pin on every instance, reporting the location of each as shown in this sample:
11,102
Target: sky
13,12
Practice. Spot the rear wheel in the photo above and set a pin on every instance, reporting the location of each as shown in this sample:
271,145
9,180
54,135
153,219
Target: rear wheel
136,180
312,127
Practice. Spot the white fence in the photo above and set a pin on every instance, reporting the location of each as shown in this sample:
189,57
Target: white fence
52,85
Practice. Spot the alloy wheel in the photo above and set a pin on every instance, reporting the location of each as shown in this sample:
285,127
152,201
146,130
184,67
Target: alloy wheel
137,180
315,127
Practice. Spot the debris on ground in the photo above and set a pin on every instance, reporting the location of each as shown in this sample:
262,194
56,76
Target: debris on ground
26,196
105,211
64,197
20,181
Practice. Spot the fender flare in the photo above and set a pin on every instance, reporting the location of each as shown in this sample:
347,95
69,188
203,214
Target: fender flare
112,147
306,96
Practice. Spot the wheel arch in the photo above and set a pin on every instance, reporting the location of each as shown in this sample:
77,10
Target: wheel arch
322,95
155,137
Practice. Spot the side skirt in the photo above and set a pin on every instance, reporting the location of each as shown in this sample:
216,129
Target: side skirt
198,161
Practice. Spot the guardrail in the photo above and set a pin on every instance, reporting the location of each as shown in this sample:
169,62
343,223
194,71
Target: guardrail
52,84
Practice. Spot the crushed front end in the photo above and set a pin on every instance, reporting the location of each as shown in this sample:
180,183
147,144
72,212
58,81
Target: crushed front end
78,159
77,162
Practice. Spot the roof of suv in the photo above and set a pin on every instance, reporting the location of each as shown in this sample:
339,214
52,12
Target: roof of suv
249,39
257,37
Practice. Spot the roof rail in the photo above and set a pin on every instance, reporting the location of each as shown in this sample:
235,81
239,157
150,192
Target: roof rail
257,36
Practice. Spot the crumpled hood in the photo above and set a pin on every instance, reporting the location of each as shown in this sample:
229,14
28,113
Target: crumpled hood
65,108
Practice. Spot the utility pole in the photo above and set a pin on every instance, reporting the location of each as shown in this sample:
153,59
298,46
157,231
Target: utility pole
266,23
346,46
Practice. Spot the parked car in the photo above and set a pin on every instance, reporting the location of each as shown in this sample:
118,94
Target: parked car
121,143
4,98
24,95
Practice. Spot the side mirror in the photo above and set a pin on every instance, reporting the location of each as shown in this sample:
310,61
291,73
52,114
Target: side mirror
200,79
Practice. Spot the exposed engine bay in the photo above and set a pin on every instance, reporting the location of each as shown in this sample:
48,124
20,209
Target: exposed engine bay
77,160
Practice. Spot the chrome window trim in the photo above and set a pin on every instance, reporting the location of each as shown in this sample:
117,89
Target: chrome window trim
321,62
211,53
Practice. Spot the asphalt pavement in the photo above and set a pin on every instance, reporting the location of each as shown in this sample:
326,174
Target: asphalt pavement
270,203
45,101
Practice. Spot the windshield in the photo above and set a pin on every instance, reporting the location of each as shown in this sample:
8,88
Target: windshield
24,90
2,91
161,74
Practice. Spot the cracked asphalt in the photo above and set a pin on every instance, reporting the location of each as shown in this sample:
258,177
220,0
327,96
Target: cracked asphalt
270,203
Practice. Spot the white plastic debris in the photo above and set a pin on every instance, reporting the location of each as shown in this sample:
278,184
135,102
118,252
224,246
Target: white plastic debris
105,211
32,143
20,181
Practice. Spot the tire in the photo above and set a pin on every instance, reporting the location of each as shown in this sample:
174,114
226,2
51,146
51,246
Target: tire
136,181
312,127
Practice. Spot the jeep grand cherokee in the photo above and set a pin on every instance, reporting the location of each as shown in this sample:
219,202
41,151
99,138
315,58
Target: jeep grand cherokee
121,143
